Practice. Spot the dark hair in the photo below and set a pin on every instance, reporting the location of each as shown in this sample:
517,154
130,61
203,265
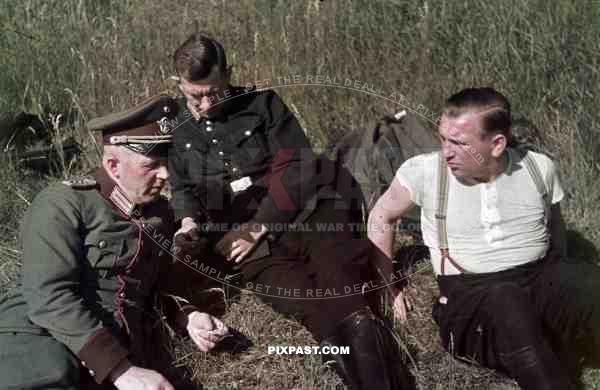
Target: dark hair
491,104
197,56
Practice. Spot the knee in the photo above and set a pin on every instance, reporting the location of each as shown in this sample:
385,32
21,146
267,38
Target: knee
520,359
63,367
39,362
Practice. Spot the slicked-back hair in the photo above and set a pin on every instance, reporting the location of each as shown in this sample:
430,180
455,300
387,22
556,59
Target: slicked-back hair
493,107
196,58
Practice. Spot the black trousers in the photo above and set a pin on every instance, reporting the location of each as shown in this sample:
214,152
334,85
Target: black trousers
315,273
534,322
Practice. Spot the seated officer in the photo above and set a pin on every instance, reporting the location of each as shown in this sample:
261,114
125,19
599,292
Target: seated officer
241,161
95,257
509,298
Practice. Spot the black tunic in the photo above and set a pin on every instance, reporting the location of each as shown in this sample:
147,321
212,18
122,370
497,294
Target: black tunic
253,162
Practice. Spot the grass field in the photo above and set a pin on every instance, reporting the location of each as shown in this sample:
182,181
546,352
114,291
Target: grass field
84,58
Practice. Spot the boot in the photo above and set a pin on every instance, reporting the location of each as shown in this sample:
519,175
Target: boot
536,369
375,361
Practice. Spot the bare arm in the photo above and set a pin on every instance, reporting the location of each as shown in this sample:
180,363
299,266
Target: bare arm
388,209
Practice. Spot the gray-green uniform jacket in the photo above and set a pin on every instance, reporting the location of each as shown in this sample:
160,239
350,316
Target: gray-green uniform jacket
93,265
374,156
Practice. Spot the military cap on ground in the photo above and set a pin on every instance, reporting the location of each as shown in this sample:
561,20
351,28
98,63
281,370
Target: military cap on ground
144,128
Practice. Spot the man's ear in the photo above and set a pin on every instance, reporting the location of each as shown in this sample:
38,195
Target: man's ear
112,165
499,144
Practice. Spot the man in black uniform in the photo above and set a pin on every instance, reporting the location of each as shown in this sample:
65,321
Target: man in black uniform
244,176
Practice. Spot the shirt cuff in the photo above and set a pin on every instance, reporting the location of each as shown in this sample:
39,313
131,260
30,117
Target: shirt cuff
101,354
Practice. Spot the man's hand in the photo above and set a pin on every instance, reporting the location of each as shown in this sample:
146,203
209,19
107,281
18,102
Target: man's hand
129,377
188,238
236,245
401,305
188,225
205,330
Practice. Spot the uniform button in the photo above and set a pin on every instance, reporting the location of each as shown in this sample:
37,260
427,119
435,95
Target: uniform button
226,164
215,141
209,128
92,373
83,363
208,122
102,244
188,145
247,132
144,225
234,169
122,295
221,153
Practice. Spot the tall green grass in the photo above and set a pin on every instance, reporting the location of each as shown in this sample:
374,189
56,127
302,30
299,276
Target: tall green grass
16,194
87,58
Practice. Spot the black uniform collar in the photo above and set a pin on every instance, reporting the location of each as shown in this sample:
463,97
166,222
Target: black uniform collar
113,193
230,106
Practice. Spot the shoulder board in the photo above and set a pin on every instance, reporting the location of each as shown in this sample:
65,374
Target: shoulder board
83,183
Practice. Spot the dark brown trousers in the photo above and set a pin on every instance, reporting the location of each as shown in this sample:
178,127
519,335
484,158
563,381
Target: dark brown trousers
534,322
315,274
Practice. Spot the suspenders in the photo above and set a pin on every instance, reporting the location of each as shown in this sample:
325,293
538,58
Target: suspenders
442,203
440,216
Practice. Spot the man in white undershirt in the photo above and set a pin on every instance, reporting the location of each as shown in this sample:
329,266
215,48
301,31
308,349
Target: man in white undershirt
508,299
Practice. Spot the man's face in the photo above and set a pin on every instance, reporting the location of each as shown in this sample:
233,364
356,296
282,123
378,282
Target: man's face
467,153
142,177
205,97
